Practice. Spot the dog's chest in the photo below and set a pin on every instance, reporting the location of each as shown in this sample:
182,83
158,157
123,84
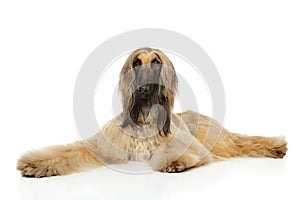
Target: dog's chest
142,148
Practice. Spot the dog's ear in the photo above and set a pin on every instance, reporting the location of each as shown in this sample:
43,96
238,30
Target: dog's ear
126,84
126,79
164,116
168,90
131,114
168,78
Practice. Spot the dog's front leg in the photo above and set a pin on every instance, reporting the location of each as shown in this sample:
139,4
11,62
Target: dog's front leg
182,153
56,160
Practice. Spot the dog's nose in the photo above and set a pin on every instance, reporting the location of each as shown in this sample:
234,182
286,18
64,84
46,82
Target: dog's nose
144,89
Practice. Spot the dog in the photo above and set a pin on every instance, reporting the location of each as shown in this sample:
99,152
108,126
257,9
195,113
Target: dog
147,130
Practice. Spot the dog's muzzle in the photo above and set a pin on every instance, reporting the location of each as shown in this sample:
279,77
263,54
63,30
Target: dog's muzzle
145,89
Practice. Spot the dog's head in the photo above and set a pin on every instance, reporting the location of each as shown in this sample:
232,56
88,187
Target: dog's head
148,78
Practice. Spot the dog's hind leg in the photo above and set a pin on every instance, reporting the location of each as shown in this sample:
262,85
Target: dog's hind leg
258,146
226,144
56,160
223,143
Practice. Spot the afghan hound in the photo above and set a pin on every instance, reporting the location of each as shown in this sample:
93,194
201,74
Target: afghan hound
147,130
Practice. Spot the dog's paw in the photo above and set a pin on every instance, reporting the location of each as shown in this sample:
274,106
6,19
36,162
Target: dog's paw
30,167
279,148
175,166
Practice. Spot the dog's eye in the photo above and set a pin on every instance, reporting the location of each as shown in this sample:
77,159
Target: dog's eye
155,61
155,64
137,62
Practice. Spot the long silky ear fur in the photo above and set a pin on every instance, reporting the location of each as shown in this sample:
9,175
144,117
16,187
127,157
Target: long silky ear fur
131,114
126,81
168,78
164,129
168,81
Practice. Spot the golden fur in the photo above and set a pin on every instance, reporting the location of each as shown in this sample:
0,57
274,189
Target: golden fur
188,140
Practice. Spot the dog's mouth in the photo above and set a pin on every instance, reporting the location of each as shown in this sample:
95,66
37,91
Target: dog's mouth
146,95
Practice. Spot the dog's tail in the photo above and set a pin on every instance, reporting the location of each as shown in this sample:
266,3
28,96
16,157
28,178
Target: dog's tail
237,145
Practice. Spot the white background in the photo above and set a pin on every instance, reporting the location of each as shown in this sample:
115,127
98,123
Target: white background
255,46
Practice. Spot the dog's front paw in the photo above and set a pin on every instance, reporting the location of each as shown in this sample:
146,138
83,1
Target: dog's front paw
175,166
31,167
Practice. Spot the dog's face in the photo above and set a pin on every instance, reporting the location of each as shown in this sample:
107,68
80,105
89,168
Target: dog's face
148,78
147,67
